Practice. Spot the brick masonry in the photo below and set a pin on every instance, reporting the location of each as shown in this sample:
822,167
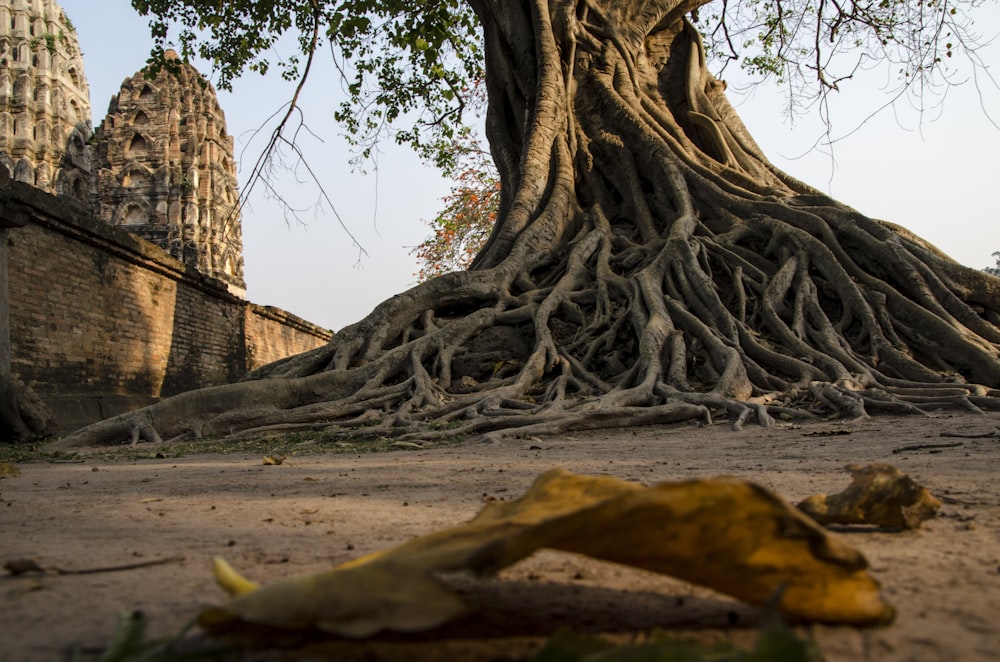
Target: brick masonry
101,321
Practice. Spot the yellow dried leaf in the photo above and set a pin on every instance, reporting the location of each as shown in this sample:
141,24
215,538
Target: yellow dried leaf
231,581
726,534
879,495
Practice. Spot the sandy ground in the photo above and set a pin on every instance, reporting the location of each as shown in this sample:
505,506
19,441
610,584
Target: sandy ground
317,510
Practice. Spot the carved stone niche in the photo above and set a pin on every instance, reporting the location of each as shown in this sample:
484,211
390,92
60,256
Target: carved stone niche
44,99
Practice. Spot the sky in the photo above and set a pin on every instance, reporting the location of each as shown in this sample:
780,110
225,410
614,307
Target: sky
934,172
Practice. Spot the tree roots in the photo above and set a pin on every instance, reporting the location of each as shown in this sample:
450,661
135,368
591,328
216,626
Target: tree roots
22,414
649,266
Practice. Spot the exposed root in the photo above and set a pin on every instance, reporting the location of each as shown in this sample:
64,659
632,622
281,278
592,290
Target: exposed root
22,414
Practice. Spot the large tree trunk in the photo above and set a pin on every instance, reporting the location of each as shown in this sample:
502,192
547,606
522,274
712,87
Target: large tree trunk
649,265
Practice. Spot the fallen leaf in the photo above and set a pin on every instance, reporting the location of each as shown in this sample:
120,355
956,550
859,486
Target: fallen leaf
8,470
150,500
880,495
726,534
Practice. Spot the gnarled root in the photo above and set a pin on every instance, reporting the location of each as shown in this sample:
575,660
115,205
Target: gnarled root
649,265
22,414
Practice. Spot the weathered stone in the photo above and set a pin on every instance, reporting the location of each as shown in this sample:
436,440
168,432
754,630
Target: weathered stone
161,164
166,171
44,99
94,319
97,314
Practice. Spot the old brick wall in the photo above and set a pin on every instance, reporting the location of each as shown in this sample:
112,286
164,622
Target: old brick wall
272,334
101,321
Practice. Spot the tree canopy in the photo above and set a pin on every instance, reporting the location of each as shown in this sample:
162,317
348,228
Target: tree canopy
409,69
405,67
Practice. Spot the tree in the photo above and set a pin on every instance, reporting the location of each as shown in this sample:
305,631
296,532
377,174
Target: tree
994,270
461,229
648,263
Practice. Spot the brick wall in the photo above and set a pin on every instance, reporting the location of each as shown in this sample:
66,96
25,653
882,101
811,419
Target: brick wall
272,334
101,321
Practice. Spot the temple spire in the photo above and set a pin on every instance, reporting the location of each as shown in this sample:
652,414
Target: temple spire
166,171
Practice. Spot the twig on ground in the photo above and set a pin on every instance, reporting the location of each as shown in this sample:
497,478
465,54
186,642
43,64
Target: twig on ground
25,566
984,435
921,447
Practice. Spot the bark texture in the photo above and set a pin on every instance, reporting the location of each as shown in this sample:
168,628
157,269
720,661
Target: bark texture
649,265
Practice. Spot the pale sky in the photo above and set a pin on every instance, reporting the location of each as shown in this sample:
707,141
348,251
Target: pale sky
935,174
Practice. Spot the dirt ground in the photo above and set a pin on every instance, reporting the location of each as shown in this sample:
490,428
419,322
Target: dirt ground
316,510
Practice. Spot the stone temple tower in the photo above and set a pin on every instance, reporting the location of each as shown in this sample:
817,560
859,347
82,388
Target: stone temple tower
165,171
44,99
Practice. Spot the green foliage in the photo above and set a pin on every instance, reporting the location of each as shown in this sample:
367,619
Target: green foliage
67,23
995,270
287,444
405,65
130,643
32,452
775,643
48,39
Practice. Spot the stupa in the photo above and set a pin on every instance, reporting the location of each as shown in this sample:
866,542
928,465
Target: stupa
165,170
44,99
